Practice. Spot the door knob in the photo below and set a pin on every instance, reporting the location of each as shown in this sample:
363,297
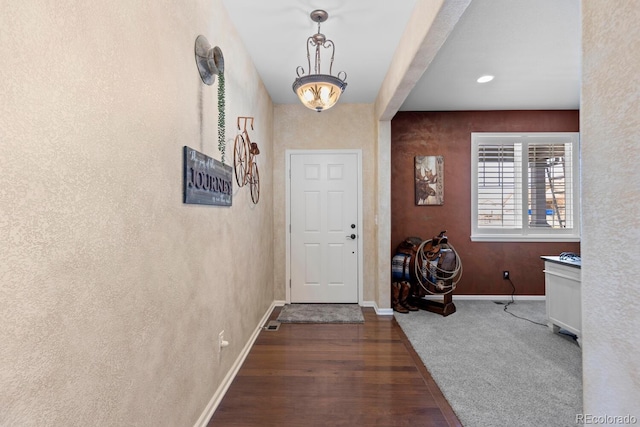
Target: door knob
352,237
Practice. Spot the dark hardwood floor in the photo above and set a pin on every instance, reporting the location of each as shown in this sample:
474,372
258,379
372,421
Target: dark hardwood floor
334,375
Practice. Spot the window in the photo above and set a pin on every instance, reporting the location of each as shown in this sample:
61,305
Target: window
525,187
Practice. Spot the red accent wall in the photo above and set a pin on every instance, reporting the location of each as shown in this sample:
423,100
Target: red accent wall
448,134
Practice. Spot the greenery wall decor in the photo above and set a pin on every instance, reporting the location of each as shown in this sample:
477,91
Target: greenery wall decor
221,117
210,62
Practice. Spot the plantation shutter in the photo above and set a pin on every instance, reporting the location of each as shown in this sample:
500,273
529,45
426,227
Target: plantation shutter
550,185
499,185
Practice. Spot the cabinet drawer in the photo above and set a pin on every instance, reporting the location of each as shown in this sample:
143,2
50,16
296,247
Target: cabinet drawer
567,272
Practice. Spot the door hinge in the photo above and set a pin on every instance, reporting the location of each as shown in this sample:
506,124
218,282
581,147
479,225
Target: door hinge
289,283
289,228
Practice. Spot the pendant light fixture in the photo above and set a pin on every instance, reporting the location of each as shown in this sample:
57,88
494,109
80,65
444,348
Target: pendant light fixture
319,91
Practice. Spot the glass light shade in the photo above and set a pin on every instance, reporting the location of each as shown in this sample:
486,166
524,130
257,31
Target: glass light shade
319,92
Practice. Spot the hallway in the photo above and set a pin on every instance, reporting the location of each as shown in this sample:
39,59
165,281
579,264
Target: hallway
334,375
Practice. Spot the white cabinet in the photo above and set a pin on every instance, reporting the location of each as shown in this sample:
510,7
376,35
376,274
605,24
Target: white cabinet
562,290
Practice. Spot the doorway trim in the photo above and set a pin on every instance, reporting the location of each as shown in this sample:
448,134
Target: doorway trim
287,228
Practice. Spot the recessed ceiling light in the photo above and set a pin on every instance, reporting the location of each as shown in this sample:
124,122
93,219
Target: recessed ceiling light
485,79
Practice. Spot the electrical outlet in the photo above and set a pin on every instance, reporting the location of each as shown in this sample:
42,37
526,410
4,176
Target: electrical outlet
219,347
221,341
505,275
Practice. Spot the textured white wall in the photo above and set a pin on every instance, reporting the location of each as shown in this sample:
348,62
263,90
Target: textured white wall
610,136
343,126
383,215
112,291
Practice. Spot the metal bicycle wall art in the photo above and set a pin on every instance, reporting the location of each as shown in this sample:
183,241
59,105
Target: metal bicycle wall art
244,161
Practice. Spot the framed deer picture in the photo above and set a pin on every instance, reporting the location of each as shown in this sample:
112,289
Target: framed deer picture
429,178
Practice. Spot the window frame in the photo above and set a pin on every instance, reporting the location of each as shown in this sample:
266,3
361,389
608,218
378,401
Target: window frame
525,233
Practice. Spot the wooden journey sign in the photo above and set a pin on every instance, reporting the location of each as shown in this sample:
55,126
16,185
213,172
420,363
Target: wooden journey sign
206,180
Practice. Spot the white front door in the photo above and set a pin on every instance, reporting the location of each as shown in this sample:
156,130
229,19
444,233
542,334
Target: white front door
324,228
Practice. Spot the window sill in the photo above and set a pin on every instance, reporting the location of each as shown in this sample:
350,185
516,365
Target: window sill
520,238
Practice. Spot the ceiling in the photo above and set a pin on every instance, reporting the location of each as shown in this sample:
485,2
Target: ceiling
532,48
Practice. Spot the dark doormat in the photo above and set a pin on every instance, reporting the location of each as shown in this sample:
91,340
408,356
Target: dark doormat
321,313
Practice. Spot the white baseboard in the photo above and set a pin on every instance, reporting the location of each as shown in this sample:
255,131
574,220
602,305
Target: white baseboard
228,379
389,311
490,297
379,311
